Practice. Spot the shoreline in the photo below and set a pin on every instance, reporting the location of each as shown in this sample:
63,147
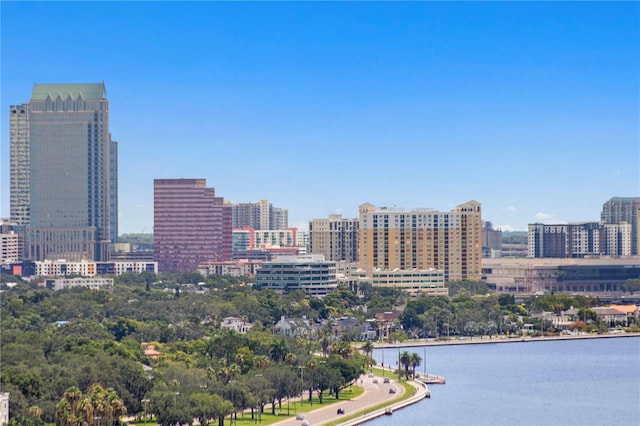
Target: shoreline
476,340
422,388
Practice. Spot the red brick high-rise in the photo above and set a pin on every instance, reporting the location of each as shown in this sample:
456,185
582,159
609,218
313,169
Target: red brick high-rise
190,225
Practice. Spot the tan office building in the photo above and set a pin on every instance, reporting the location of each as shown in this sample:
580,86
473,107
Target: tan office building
335,238
423,238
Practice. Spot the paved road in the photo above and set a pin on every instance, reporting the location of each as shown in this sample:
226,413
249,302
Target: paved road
373,395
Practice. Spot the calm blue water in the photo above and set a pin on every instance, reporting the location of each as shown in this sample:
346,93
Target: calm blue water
576,382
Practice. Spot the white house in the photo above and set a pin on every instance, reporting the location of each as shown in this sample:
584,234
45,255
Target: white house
236,324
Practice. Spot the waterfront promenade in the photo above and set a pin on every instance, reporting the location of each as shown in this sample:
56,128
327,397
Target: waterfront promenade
374,394
497,339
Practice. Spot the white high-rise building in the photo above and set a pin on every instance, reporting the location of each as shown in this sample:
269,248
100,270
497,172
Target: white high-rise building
9,248
624,209
616,239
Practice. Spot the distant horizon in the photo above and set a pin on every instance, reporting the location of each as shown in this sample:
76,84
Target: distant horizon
529,108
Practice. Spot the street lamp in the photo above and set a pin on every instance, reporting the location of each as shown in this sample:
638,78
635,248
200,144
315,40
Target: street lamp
312,378
302,367
424,367
234,415
259,405
144,403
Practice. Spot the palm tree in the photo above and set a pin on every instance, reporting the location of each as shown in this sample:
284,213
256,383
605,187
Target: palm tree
278,350
114,406
226,373
35,413
415,361
240,359
233,371
367,348
342,348
64,417
324,344
73,395
97,395
405,361
85,409
261,362
290,358
67,407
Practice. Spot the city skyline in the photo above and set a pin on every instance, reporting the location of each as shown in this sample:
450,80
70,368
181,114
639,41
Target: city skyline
529,108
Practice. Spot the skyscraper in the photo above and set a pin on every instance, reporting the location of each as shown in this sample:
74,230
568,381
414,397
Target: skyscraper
190,225
64,172
260,215
491,240
335,238
579,240
624,209
449,241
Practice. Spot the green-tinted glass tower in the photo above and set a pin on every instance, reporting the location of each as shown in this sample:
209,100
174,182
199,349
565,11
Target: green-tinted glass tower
64,172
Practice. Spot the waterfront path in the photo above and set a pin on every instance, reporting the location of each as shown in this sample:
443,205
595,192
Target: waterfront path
496,339
373,395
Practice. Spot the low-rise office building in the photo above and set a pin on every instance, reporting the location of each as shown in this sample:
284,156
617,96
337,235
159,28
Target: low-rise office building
238,268
310,273
91,283
530,276
86,268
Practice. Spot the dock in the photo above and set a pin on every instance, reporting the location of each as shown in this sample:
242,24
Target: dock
431,379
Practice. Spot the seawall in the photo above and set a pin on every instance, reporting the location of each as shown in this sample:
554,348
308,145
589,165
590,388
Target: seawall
422,392
498,339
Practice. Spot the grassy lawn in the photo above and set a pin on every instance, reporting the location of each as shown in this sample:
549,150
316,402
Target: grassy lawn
294,407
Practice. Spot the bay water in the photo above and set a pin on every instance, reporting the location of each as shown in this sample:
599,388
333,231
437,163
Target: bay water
562,382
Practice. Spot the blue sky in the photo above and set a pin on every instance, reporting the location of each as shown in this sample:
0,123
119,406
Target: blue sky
532,109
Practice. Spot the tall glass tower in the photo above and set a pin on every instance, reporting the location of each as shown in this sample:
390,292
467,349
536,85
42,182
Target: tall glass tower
64,172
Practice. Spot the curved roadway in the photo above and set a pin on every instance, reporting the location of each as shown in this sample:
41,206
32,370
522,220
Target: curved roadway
374,394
